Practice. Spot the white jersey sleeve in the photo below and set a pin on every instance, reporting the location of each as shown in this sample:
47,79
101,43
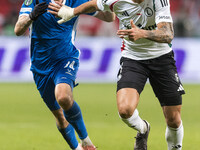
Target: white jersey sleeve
162,11
105,5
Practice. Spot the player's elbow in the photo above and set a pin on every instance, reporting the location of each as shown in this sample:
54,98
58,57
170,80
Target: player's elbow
106,16
17,32
111,18
170,38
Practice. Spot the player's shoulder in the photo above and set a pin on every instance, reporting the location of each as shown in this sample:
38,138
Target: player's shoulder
27,7
159,4
29,3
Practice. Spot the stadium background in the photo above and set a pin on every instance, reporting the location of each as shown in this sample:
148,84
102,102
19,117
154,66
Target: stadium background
25,122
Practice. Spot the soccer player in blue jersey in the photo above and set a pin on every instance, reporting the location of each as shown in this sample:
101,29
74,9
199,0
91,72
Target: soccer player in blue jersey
54,64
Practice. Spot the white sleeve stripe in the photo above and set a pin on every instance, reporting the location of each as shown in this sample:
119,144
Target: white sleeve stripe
100,5
24,14
26,10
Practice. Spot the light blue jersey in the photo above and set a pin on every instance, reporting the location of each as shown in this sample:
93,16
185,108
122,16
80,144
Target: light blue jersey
51,42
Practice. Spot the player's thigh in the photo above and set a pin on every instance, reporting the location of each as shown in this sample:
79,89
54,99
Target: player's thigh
46,87
63,93
66,72
132,74
127,101
63,90
64,79
132,78
165,81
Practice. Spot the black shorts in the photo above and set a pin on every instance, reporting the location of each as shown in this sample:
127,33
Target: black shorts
162,75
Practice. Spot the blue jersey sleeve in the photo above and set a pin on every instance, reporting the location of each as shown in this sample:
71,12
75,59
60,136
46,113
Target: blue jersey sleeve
27,7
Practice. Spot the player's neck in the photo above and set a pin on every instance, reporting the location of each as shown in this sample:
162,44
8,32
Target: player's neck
138,1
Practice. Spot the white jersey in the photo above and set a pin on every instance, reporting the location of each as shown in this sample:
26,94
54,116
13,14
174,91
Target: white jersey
145,15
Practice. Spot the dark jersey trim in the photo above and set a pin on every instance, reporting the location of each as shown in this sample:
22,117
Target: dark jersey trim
164,3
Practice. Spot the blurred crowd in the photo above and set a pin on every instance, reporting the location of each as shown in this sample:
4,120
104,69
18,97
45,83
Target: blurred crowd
185,13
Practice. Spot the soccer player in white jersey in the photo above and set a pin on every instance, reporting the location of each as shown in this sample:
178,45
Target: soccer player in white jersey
146,29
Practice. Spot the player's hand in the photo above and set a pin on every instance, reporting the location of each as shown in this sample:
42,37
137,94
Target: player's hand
38,10
64,12
133,34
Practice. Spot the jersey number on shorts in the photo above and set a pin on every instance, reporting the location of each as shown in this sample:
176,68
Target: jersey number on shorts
70,65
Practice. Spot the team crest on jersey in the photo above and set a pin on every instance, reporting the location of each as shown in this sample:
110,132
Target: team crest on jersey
104,1
148,12
28,2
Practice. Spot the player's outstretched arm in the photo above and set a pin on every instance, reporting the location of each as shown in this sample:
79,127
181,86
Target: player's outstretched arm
66,13
22,25
163,34
24,21
106,16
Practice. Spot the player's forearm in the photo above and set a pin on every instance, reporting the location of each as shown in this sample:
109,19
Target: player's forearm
109,16
22,25
164,33
106,16
88,7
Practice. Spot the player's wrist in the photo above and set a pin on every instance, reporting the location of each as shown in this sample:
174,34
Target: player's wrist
66,12
144,33
31,16
73,11
38,10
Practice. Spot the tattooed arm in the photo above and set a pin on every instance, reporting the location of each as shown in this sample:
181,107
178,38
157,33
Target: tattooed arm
163,34
22,25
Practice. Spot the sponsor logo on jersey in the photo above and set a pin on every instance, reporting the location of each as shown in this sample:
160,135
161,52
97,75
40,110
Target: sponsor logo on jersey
164,17
151,27
28,2
125,13
25,9
148,12
126,26
164,3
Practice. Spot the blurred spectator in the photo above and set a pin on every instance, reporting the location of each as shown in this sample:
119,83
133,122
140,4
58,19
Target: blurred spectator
186,14
8,15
